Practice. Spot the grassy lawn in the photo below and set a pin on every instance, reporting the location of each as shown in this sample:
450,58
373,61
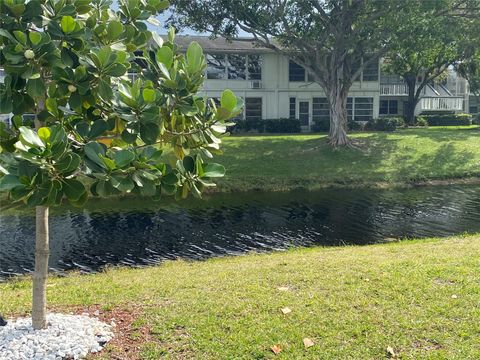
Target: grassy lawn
294,161
419,297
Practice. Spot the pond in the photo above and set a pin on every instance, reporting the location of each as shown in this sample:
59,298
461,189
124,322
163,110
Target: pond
136,232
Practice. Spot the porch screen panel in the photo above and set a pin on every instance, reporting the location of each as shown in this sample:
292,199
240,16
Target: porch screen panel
363,109
253,108
216,66
320,110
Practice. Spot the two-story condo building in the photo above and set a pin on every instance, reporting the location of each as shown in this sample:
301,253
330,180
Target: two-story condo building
275,87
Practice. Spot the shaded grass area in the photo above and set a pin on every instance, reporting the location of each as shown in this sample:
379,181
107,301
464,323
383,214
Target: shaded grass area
307,161
419,297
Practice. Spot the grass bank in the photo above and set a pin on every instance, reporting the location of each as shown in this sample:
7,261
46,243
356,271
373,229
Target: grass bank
407,156
418,297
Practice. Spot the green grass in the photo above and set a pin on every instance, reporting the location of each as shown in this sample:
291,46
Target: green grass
353,302
307,161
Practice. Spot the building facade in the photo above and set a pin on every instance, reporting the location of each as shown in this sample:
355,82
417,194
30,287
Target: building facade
274,87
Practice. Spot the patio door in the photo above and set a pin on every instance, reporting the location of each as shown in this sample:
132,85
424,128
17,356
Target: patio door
304,112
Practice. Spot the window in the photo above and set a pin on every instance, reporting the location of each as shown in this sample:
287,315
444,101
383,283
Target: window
237,66
253,108
293,108
295,72
349,109
388,107
320,110
370,72
216,66
304,112
473,109
363,109
255,67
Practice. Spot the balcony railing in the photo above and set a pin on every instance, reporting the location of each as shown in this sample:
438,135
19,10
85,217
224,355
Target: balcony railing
441,103
393,89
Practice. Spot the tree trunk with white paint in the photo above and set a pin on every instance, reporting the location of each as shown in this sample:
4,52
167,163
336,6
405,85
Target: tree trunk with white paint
42,252
39,306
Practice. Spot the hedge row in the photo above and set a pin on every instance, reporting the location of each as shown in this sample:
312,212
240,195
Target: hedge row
446,120
387,123
288,126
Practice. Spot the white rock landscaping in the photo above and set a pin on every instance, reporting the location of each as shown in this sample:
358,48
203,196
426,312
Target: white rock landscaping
66,337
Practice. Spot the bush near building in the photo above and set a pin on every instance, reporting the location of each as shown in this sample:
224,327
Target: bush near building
448,119
278,126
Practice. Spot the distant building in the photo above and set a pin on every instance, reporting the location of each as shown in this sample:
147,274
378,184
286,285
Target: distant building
274,87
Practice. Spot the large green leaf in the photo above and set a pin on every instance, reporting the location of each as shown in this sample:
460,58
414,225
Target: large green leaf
35,37
148,95
194,57
36,88
165,56
114,29
9,182
228,100
149,133
105,90
98,128
123,158
93,150
124,184
68,24
68,164
116,70
73,189
30,137
213,170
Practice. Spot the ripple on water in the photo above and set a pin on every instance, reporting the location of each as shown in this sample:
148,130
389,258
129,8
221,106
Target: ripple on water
233,224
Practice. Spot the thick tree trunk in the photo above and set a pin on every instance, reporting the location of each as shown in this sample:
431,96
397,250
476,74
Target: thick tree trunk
338,119
39,306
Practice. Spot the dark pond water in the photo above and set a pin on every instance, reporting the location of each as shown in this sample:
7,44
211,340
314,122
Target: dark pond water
141,232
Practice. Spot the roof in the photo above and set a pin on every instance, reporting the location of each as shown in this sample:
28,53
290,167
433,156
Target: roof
221,45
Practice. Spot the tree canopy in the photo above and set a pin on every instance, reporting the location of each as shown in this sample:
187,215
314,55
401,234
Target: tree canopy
70,63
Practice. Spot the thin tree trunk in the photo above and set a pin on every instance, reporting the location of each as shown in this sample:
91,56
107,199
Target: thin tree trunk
39,306
338,119
42,251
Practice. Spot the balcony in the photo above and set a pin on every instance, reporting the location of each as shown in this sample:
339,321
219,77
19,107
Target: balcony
441,103
393,90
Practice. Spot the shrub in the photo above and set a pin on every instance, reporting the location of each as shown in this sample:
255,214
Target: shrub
385,124
448,119
244,126
321,126
421,121
285,125
476,119
354,125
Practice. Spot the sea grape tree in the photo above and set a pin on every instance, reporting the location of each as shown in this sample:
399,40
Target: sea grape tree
97,132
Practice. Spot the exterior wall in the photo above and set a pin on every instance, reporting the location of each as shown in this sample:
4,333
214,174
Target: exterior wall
276,89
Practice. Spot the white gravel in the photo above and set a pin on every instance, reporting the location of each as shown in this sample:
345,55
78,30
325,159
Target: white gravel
66,337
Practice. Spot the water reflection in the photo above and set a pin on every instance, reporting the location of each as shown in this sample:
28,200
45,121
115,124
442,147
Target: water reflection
140,232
